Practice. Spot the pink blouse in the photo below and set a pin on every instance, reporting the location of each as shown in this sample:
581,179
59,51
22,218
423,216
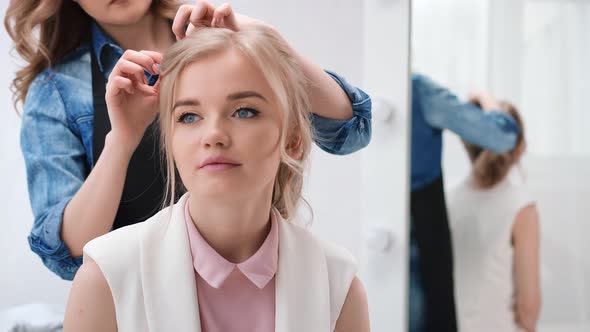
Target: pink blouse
235,297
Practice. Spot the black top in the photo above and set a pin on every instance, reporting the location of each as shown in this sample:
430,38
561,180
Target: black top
144,183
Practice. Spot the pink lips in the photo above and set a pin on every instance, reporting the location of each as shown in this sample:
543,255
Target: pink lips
117,2
218,164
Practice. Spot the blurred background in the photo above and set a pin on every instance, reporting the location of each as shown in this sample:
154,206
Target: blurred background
535,54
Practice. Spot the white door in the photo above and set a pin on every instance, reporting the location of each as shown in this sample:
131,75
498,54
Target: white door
385,163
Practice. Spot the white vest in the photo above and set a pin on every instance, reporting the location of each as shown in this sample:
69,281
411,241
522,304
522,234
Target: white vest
481,224
149,269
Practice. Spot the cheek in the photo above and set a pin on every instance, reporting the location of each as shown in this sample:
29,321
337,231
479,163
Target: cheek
266,142
263,149
183,152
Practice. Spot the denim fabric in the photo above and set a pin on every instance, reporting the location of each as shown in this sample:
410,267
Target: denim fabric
56,141
435,108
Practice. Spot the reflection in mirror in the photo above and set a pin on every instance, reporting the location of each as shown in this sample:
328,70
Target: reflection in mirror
241,112
505,81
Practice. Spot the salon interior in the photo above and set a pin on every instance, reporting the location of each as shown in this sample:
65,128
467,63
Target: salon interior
532,53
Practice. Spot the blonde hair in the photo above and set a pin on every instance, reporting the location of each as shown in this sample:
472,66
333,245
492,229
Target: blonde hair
44,31
490,168
272,56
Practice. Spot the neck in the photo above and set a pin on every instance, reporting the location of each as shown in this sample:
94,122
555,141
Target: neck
235,229
152,33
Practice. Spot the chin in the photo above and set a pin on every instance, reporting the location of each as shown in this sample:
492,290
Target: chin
130,13
225,189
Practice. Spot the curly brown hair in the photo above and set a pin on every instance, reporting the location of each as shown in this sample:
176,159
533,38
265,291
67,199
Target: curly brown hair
44,31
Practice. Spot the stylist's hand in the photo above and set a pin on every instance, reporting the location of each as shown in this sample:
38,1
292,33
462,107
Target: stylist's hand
204,15
132,104
485,100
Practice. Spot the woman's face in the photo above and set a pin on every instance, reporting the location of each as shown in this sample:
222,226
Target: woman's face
116,12
226,126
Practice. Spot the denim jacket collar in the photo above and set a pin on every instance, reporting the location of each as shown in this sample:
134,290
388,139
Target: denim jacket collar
105,49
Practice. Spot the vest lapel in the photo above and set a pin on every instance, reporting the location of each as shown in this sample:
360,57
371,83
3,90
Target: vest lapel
302,284
169,285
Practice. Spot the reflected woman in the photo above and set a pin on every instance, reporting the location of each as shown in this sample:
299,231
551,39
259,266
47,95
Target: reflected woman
495,228
435,109
234,116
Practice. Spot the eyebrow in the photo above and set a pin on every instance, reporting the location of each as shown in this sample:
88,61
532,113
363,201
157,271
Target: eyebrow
245,94
232,96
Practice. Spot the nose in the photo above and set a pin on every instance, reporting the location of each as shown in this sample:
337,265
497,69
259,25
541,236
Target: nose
216,134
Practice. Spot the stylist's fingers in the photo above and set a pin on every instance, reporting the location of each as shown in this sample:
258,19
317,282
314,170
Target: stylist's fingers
130,70
156,60
224,17
181,19
201,16
148,90
142,58
117,85
473,98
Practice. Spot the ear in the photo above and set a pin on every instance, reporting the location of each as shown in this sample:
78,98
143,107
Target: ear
294,148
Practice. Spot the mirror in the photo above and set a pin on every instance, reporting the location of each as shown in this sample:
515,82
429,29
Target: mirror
533,55
358,201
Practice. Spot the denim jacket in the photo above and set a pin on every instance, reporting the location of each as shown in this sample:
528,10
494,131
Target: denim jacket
435,108
56,141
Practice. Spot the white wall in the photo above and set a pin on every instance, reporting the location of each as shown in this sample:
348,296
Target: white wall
540,64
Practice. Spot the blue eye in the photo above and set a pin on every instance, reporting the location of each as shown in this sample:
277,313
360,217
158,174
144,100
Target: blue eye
246,113
188,118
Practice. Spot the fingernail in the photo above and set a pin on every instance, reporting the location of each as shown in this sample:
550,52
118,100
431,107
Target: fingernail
156,68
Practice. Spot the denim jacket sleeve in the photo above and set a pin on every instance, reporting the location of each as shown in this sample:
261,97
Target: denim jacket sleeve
54,158
343,137
494,130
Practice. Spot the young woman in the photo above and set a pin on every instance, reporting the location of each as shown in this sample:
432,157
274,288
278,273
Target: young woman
495,227
77,196
435,109
234,118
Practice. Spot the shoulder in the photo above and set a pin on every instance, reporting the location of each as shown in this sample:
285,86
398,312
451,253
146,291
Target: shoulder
119,255
337,257
341,266
422,84
61,85
129,238
354,315
90,305
527,217
514,190
74,66
526,229
91,282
